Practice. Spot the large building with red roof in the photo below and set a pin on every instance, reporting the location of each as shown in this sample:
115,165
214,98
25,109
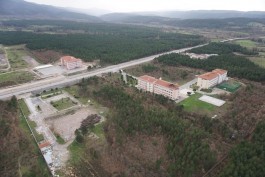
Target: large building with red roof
158,86
71,62
212,79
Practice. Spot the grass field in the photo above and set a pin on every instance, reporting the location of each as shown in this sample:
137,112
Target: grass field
51,93
32,124
246,43
14,56
59,139
74,90
76,151
230,86
98,130
258,60
193,104
63,103
38,160
13,78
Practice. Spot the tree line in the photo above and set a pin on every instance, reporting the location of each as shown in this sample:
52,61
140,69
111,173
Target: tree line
107,42
222,48
237,66
186,148
248,158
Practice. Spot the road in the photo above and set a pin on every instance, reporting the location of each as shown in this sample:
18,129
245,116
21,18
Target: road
60,82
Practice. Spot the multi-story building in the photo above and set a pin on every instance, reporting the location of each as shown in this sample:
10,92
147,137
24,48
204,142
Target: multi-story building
212,79
158,86
71,62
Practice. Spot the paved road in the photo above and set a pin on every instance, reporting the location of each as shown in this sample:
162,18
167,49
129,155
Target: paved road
65,81
188,84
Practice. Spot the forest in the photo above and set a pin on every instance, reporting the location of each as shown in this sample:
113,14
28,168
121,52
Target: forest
19,156
187,157
237,66
107,42
222,48
248,158
189,136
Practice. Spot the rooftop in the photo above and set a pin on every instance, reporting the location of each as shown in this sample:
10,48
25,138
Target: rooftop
213,74
70,59
159,82
219,71
166,84
208,76
45,144
148,78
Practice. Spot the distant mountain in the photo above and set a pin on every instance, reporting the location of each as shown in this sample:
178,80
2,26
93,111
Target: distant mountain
93,11
23,9
195,14
117,17
210,14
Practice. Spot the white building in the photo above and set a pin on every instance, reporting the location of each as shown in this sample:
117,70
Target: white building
71,62
212,79
157,86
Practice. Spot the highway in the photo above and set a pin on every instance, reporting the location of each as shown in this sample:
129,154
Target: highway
59,82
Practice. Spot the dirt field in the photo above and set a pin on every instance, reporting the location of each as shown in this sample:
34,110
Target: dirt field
46,56
66,125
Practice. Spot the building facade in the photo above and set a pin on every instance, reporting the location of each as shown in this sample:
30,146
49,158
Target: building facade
71,62
211,79
158,86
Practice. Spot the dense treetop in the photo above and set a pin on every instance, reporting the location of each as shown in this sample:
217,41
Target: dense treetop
222,48
237,66
108,42
248,159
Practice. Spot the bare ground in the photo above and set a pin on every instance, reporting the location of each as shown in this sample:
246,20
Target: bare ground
66,125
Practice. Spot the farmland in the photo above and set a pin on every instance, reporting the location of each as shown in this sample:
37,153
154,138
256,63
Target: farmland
16,77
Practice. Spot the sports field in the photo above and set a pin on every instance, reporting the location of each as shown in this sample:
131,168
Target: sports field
230,86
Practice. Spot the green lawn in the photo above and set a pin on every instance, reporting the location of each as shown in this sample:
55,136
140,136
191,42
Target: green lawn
59,139
74,90
246,43
193,104
32,124
98,130
39,162
63,103
258,60
76,151
13,78
24,107
51,93
14,56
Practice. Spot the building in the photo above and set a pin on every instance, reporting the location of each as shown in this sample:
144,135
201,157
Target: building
71,62
158,86
199,56
212,79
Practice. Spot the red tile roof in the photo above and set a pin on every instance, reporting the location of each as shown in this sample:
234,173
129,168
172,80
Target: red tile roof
166,84
163,83
208,76
69,59
219,71
148,78
45,144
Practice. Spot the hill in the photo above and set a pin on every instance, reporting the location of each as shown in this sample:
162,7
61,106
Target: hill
210,14
22,9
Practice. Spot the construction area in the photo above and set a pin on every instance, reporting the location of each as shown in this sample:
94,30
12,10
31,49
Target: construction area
54,127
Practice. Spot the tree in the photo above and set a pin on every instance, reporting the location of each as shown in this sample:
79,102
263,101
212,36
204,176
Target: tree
13,102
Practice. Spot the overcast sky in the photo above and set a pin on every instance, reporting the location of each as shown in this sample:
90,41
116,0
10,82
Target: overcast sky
154,5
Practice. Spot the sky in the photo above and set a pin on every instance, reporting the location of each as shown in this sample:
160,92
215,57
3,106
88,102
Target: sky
158,5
